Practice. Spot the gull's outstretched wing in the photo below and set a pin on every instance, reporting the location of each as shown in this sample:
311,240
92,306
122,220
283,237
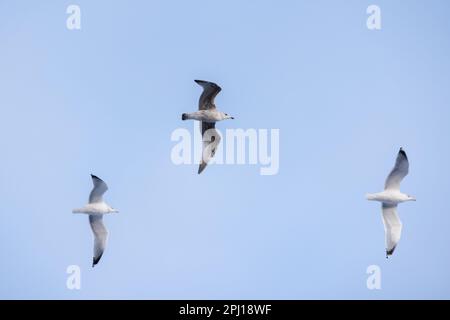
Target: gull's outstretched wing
211,140
100,188
210,91
100,235
392,227
400,171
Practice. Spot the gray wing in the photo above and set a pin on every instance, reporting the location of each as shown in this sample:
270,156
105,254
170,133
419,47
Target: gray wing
211,140
100,237
99,189
399,171
210,91
392,227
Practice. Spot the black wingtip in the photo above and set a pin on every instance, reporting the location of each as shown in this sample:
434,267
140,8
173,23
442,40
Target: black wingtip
184,116
213,84
96,260
202,167
403,153
93,176
390,252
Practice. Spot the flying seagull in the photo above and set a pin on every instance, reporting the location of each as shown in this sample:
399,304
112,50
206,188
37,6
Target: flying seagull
96,208
208,115
390,198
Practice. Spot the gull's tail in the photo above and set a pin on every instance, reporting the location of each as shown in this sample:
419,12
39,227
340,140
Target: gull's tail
370,196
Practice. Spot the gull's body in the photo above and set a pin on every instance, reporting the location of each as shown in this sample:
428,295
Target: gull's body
96,208
208,115
211,116
390,198
100,208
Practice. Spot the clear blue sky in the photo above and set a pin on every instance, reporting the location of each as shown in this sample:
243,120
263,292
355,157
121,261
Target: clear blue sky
105,99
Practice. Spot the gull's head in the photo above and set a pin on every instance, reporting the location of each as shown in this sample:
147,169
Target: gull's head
226,116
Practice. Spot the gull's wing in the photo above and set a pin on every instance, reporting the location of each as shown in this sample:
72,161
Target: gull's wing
101,236
392,227
400,171
100,188
210,91
211,140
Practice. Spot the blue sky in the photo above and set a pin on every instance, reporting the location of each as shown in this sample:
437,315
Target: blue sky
105,100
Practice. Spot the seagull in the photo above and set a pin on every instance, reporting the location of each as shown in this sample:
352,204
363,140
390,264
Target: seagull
390,198
208,115
96,208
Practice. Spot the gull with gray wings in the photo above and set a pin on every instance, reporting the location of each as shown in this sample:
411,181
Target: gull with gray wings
208,115
96,208
390,198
